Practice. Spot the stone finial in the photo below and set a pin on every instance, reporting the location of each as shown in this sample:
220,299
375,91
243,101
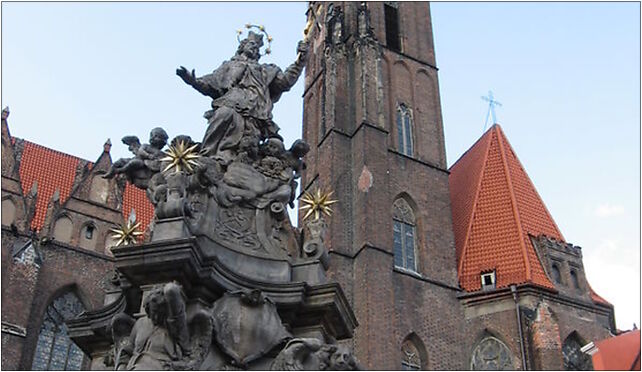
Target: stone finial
55,198
107,145
5,113
34,189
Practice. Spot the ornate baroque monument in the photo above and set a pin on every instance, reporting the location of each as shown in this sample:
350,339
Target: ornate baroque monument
225,282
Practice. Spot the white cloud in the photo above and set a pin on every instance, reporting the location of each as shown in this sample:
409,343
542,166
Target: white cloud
613,271
608,210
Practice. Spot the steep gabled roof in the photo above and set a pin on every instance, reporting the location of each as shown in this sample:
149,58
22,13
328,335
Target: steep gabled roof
495,207
54,170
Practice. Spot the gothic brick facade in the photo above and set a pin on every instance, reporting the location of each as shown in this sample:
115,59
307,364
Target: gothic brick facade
429,283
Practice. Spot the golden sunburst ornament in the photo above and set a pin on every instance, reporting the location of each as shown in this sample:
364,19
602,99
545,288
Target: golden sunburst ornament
127,233
317,203
181,157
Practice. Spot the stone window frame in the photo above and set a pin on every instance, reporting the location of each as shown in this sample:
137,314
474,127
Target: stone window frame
59,350
489,274
404,123
579,341
404,226
413,353
556,272
94,230
391,9
489,337
573,273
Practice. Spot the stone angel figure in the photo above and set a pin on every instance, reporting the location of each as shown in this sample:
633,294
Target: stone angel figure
144,169
163,339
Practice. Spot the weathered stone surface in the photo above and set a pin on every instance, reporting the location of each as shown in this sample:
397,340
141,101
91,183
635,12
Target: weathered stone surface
226,280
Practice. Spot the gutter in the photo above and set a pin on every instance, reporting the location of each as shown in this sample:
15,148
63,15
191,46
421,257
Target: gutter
513,290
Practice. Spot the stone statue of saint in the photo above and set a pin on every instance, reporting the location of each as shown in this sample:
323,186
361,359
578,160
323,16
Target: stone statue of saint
243,93
160,338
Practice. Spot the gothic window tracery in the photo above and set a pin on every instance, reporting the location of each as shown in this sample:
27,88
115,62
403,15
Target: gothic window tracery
410,357
491,354
54,349
574,358
404,129
404,235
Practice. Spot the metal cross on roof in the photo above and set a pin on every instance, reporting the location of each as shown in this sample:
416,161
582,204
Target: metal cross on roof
491,108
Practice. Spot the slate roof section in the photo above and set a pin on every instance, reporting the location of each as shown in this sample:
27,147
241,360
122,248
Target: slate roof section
54,170
495,207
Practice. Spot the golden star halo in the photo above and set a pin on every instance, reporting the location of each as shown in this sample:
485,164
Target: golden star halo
127,233
317,203
181,156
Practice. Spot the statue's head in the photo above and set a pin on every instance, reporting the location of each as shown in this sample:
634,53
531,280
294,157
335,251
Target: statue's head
274,146
249,143
300,148
132,142
155,306
158,137
251,46
337,358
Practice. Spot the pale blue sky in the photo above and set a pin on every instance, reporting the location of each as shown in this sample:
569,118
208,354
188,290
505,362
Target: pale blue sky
567,74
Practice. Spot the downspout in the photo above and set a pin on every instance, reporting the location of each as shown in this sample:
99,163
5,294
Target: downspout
513,290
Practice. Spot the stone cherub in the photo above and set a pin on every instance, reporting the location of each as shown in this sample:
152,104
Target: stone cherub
146,161
301,354
243,93
161,340
294,160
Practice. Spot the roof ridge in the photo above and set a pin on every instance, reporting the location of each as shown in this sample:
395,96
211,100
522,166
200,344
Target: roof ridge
534,189
513,198
488,134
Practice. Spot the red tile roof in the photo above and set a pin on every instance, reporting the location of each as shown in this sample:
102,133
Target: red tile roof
135,198
495,207
54,170
621,352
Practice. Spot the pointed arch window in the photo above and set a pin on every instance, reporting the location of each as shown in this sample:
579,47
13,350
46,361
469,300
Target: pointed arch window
557,275
574,279
491,354
574,358
55,350
391,17
413,354
404,235
404,129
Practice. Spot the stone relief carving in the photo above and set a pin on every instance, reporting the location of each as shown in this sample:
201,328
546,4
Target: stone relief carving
302,354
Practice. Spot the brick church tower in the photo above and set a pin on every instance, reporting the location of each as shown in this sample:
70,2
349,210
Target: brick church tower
372,117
